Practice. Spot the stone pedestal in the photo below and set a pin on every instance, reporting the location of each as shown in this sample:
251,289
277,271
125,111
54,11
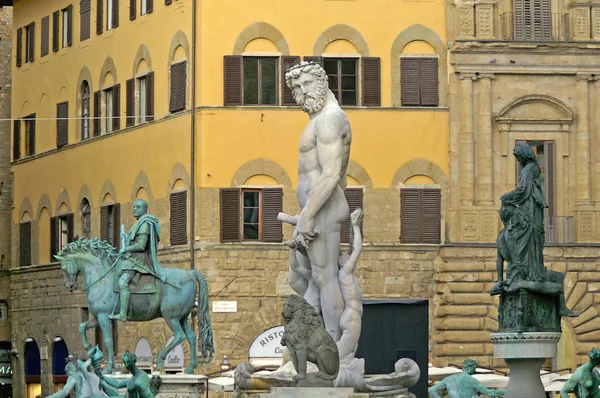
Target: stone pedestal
305,392
178,385
525,354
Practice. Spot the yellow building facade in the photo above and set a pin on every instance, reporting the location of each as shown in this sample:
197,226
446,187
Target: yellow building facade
183,104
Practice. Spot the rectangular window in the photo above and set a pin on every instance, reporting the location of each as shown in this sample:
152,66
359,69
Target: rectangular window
66,22
85,113
16,139
63,235
86,221
84,19
142,99
143,7
251,214
30,135
45,42
260,81
532,20
29,37
110,224
108,105
178,218
25,244
419,81
343,79
420,215
3,310
61,232
62,124
109,14
177,100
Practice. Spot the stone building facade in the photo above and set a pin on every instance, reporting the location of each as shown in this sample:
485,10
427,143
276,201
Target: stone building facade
519,74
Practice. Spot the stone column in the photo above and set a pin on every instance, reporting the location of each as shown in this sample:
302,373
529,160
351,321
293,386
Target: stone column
582,140
465,140
485,188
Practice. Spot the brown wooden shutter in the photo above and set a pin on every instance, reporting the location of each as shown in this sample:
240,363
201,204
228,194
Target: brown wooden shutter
132,9
70,25
70,227
233,78
104,223
431,217
409,70
32,135
116,113
45,44
115,14
129,102
16,139
549,179
55,30
116,225
287,98
272,205
31,46
99,16
371,81
230,215
429,81
518,20
84,19
150,96
178,85
410,215
19,46
149,6
97,110
62,124
25,244
178,218
54,241
168,2
354,197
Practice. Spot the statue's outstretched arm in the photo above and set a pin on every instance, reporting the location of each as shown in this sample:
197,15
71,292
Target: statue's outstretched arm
568,387
490,393
115,383
66,391
356,220
438,387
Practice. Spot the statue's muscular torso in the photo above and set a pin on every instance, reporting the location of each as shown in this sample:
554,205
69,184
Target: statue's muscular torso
329,125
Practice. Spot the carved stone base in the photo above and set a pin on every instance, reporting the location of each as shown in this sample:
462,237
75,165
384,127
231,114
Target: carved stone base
176,385
525,354
525,311
291,392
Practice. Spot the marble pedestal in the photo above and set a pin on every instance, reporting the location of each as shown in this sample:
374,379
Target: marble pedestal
175,385
525,354
306,392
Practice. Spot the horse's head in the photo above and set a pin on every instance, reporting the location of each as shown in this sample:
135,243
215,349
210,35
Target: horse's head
70,271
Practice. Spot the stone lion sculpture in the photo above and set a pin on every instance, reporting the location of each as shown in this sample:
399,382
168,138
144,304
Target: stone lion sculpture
307,340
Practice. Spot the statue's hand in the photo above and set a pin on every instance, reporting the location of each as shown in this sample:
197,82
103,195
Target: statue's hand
123,250
304,231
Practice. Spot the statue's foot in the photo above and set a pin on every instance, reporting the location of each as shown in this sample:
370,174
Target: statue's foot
189,369
564,311
118,317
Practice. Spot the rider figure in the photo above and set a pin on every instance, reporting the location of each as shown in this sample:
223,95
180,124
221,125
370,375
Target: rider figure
142,244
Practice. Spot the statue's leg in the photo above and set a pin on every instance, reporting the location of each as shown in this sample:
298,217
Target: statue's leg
83,327
124,295
106,327
296,280
178,337
191,338
324,256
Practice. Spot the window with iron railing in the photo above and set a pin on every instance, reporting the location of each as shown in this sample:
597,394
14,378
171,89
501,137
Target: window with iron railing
532,20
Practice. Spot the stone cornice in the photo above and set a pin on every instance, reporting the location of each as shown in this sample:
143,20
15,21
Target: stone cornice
530,69
512,47
529,337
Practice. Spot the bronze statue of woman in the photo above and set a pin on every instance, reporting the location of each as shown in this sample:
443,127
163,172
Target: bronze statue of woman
525,233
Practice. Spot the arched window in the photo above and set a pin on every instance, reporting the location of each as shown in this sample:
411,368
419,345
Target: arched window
85,110
86,219
177,100
33,368
59,356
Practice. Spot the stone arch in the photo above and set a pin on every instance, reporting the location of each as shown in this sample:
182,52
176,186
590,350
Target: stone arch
261,30
142,54
178,173
561,112
420,167
261,166
141,181
423,33
357,172
25,208
108,66
84,192
344,32
179,39
63,197
109,188
43,203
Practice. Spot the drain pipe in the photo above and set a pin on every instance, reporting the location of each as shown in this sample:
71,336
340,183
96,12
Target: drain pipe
193,141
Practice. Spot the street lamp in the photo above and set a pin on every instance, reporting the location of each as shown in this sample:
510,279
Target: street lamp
225,364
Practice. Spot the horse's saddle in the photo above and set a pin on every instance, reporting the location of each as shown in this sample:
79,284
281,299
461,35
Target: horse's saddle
140,284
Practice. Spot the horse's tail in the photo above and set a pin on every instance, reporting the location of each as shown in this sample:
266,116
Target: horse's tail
207,346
